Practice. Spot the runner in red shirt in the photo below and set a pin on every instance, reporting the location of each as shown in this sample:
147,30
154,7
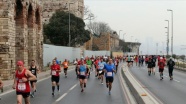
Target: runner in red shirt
21,83
161,65
96,66
55,72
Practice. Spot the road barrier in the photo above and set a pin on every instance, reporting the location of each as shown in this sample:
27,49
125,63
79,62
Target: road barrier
138,91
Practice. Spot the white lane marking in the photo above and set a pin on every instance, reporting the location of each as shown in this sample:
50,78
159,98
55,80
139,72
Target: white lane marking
6,92
73,87
176,80
61,97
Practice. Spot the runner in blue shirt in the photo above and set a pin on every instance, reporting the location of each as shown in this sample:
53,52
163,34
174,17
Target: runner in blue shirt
83,71
100,68
109,74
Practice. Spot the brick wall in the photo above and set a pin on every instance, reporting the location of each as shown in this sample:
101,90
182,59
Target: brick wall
20,34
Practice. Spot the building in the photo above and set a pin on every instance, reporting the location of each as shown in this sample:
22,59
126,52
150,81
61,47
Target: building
133,48
51,6
105,41
20,34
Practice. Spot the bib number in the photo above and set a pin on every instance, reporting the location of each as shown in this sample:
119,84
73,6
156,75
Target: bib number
53,72
82,73
100,72
101,66
109,74
21,86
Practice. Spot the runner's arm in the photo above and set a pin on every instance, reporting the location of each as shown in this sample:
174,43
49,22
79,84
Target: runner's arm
88,69
30,76
15,82
38,70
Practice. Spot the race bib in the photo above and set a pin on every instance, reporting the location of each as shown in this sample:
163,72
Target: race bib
101,66
100,71
53,72
82,73
33,71
21,86
65,64
109,74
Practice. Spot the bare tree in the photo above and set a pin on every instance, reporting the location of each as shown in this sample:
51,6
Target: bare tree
99,27
88,15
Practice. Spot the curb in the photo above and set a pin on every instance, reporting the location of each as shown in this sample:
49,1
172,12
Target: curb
9,87
139,93
180,69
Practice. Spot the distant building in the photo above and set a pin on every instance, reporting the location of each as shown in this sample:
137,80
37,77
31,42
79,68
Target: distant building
133,48
105,41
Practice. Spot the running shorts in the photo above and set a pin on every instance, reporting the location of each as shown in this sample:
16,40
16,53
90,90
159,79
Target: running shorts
55,79
109,79
82,77
24,94
161,69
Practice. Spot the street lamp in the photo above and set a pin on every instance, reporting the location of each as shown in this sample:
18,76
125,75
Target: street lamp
123,37
167,37
172,31
119,32
69,23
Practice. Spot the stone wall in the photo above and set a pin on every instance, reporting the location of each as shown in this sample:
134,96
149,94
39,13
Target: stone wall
50,6
106,41
20,34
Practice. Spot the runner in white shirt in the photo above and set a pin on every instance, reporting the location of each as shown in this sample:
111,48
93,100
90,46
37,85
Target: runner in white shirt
101,72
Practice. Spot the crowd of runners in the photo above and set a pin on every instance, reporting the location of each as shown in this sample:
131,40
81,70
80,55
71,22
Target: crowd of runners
105,68
151,61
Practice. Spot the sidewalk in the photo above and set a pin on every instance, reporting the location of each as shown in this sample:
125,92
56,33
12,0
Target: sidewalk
45,73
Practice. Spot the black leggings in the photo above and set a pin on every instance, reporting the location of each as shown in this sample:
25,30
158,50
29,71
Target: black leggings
170,72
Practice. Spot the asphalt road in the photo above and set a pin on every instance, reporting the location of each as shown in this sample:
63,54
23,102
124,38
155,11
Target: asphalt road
95,92
166,91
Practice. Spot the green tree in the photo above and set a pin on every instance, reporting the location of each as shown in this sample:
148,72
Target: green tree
174,56
57,30
124,46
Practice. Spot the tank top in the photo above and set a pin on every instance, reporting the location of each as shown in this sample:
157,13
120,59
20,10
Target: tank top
54,69
82,70
33,70
22,86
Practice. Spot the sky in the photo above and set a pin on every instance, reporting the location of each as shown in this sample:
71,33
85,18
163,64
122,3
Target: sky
144,21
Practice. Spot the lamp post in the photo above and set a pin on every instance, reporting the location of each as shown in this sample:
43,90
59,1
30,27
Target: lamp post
123,37
69,23
172,31
167,37
119,32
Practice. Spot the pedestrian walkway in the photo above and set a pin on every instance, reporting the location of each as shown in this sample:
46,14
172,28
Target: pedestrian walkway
45,73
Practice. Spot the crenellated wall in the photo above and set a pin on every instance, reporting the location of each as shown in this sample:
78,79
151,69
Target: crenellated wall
20,34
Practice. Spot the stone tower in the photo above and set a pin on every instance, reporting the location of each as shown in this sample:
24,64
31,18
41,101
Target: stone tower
20,34
50,6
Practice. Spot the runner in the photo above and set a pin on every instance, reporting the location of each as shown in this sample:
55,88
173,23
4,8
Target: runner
57,62
65,66
1,86
21,83
76,66
89,64
101,72
150,65
34,70
161,65
116,62
153,65
109,69
96,66
128,61
82,72
171,65
55,70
